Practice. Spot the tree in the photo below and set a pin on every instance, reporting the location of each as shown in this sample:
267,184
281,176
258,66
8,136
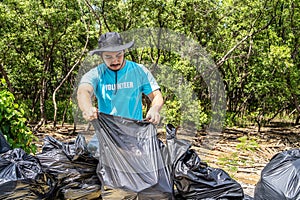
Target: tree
253,43
44,40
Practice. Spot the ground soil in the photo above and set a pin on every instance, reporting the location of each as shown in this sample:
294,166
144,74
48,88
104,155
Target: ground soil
241,152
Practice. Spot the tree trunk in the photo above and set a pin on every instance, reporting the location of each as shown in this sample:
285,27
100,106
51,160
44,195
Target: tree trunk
42,106
297,120
296,103
65,111
66,77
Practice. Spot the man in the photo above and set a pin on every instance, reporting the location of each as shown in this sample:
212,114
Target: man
118,84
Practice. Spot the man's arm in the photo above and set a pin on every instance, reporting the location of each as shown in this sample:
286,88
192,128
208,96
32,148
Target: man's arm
156,105
84,97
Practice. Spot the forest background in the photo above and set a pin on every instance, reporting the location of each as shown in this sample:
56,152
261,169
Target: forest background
253,44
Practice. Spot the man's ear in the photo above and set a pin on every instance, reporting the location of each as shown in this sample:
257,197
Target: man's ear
125,53
101,55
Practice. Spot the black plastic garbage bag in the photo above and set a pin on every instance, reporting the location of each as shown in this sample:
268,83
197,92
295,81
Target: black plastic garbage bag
175,148
22,177
73,167
280,178
194,179
131,162
4,146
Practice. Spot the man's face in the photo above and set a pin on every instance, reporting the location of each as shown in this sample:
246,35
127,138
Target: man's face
114,60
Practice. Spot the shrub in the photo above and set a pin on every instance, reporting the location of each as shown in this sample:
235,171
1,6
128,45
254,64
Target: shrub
13,123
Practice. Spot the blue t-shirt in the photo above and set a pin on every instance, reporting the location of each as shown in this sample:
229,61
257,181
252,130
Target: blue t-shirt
120,92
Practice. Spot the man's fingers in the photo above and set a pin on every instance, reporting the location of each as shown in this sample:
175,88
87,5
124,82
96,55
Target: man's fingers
90,114
153,118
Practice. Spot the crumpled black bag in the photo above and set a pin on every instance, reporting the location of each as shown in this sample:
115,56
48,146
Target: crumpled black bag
4,146
22,177
180,148
280,178
132,162
194,179
72,166
135,164
175,148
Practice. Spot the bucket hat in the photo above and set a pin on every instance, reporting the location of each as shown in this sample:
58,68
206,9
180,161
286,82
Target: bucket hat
111,42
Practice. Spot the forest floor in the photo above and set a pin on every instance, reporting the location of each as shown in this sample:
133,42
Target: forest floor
241,152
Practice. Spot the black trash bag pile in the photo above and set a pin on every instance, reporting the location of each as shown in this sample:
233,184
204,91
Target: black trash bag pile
280,178
22,177
73,168
194,179
134,164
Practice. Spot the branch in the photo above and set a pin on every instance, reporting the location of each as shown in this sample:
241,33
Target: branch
220,62
224,58
88,3
278,111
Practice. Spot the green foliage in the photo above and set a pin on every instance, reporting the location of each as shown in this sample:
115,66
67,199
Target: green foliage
230,163
258,71
233,160
43,40
182,106
247,144
171,112
13,122
178,113
257,42
64,110
240,120
229,120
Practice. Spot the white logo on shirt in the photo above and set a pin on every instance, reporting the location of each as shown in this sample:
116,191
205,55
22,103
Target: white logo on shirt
124,85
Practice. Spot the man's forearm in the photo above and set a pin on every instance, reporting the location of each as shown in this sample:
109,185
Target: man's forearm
157,105
157,101
84,98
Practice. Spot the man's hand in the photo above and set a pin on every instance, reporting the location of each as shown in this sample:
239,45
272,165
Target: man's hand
153,115
84,97
90,114
157,102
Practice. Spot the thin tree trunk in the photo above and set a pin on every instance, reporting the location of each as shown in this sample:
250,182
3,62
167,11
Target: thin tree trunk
65,111
90,6
65,78
42,106
43,91
296,103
